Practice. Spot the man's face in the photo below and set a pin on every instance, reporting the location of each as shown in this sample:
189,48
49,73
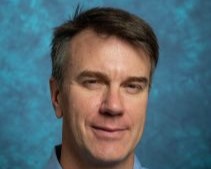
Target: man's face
104,97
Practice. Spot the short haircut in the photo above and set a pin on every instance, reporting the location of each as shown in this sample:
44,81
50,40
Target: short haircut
108,21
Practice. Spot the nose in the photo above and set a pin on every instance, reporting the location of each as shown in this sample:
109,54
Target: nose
112,104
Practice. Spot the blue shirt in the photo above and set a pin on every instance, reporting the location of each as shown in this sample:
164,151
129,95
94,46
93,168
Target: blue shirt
53,162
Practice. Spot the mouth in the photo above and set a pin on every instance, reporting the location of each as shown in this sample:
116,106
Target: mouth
109,133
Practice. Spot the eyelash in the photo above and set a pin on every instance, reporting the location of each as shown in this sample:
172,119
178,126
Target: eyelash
137,86
91,83
134,88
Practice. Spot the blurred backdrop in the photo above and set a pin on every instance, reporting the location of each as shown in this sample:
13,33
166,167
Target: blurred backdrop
178,128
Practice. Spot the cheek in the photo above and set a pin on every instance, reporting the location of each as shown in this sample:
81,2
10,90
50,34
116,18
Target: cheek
137,113
82,105
77,110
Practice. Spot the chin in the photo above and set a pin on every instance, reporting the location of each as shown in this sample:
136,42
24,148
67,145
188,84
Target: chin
109,158
107,161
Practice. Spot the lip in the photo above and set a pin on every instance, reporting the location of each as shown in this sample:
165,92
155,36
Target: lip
109,133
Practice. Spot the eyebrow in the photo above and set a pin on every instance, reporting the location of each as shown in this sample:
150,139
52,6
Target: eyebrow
138,79
104,77
92,74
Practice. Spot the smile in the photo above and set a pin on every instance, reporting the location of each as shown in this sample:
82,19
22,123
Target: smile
108,133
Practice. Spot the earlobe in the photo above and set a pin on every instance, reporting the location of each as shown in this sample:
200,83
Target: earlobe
55,97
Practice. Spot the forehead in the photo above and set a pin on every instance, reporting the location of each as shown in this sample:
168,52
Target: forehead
90,49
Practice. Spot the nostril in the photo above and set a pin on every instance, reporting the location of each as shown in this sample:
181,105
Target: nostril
106,111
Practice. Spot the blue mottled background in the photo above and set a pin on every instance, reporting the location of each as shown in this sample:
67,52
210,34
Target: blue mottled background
178,128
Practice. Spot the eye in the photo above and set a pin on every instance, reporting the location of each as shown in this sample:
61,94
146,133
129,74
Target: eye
134,88
91,84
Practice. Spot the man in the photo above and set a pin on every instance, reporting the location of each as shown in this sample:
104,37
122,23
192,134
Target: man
103,60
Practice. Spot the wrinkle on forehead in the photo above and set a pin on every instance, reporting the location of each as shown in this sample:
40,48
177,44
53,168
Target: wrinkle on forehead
95,45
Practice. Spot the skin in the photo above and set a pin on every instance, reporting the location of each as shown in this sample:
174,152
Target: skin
103,102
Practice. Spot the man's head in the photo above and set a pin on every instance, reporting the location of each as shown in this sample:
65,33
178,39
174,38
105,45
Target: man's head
103,61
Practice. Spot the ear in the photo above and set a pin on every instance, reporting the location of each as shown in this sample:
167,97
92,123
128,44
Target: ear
56,97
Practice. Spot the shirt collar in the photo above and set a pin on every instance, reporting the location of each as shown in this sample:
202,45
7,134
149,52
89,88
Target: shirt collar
53,162
137,164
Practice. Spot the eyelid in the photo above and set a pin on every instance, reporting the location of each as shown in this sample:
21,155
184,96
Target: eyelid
90,78
136,82
92,82
134,87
